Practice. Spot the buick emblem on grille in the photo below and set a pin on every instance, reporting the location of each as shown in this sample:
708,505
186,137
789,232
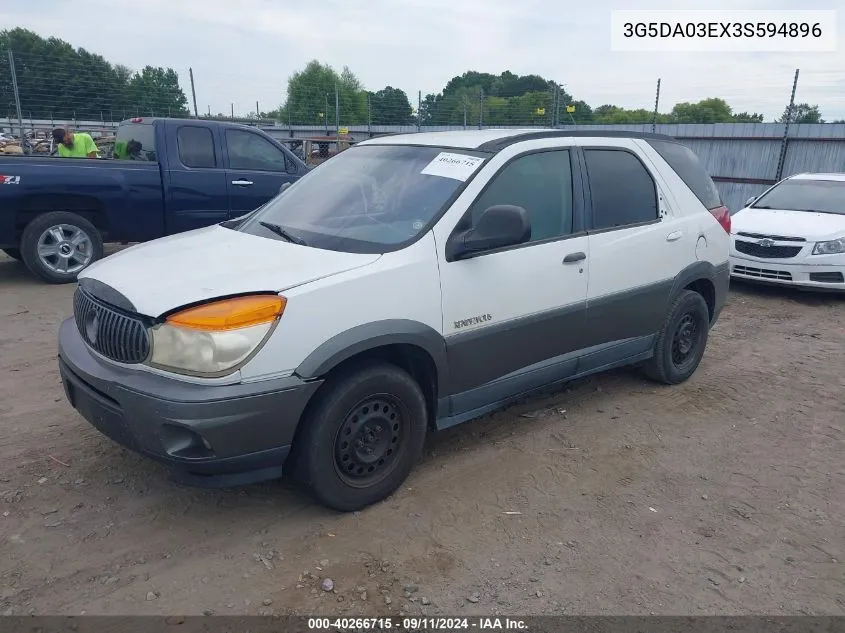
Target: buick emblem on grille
92,325
766,243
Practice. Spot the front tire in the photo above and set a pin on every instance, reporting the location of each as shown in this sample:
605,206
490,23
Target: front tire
681,341
57,246
362,437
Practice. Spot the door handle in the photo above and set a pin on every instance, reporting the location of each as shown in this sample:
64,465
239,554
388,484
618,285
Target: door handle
242,183
674,236
574,257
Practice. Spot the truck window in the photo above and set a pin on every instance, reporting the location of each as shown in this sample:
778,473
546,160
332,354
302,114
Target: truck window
135,141
251,151
196,147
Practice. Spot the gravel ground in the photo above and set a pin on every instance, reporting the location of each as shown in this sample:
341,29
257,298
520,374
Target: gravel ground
724,495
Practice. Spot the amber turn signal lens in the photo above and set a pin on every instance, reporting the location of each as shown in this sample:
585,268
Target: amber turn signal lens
230,314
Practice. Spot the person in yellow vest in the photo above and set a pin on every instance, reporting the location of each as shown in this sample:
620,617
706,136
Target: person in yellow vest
74,145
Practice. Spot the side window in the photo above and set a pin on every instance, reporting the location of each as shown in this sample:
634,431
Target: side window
541,184
250,151
686,164
622,190
196,147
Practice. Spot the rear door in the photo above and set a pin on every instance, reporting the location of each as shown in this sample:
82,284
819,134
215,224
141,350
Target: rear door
197,194
639,242
256,170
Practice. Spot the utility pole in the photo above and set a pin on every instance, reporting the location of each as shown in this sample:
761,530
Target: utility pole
785,142
193,93
336,112
480,108
326,114
17,94
656,102
419,110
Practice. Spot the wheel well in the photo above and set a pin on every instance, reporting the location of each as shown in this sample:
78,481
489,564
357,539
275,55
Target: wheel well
413,359
89,208
707,290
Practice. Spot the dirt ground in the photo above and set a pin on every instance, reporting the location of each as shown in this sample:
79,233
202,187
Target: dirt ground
725,495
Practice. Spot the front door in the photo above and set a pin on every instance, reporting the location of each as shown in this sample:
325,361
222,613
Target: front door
511,315
256,171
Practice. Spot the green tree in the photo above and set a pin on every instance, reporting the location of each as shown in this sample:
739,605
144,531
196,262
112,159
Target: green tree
390,106
802,113
60,82
311,96
155,91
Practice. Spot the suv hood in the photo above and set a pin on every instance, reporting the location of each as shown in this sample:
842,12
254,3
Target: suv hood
170,272
811,226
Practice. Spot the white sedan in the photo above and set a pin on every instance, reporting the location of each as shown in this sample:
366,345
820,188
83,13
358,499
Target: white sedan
793,234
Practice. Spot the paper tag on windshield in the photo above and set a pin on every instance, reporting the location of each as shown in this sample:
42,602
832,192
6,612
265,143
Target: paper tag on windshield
449,165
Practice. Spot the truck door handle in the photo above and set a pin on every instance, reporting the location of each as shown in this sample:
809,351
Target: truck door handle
674,236
574,257
242,183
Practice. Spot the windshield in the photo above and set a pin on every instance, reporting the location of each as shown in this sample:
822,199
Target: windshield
367,199
822,196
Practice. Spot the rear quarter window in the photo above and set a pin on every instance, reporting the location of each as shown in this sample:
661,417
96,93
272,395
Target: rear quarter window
144,146
686,164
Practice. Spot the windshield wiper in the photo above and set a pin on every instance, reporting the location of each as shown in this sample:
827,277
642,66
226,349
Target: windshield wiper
278,230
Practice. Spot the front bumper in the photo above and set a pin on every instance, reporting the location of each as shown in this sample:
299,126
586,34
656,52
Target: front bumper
796,274
211,435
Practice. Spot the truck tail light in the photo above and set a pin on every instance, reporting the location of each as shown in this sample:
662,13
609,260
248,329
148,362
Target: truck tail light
723,217
137,119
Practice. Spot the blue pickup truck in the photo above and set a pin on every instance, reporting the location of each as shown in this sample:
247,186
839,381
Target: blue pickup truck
166,176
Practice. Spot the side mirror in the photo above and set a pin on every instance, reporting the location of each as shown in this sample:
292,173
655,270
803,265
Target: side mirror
750,201
284,188
499,226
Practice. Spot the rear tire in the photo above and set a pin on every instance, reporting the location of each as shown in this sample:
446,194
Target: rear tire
681,341
362,437
57,246
14,253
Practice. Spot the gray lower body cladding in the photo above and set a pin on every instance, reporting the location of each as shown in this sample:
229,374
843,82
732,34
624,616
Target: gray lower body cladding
209,435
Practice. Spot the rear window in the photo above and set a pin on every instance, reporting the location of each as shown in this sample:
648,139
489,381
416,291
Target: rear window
135,141
686,164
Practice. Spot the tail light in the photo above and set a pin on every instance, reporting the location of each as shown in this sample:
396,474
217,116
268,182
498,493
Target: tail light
723,217
137,119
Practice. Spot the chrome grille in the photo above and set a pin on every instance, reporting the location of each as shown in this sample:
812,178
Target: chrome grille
116,335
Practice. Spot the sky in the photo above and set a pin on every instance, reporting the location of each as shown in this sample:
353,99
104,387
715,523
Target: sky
243,51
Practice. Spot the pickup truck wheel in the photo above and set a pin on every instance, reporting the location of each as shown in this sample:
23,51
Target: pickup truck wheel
14,253
57,246
362,438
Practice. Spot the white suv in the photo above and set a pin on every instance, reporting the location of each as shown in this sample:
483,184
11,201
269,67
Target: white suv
408,284
793,234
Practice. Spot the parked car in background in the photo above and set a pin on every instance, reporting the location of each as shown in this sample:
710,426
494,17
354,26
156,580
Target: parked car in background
793,234
166,176
408,284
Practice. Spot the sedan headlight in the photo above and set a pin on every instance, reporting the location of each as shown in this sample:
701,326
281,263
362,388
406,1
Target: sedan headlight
214,338
833,247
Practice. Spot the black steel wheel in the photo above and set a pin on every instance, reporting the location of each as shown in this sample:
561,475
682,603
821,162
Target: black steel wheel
369,439
360,438
681,340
